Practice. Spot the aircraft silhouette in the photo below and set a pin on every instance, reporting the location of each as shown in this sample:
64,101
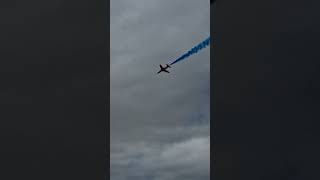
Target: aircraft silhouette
164,69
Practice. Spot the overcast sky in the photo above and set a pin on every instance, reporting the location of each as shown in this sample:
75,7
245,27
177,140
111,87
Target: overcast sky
159,123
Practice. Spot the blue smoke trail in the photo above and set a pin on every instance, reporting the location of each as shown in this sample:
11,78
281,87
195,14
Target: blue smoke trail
194,50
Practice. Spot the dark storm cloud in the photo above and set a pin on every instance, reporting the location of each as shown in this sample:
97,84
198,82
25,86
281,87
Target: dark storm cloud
157,118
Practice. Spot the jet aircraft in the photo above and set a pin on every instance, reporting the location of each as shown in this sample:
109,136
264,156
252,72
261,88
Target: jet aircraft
164,69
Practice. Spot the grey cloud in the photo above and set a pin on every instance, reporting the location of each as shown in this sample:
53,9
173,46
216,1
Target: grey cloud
184,160
158,114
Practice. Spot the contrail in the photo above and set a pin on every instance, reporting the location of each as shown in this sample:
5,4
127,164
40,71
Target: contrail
194,50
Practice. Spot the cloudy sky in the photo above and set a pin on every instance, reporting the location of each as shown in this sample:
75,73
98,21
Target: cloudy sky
159,123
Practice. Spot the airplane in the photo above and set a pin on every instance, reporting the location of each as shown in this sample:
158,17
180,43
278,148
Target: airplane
164,69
